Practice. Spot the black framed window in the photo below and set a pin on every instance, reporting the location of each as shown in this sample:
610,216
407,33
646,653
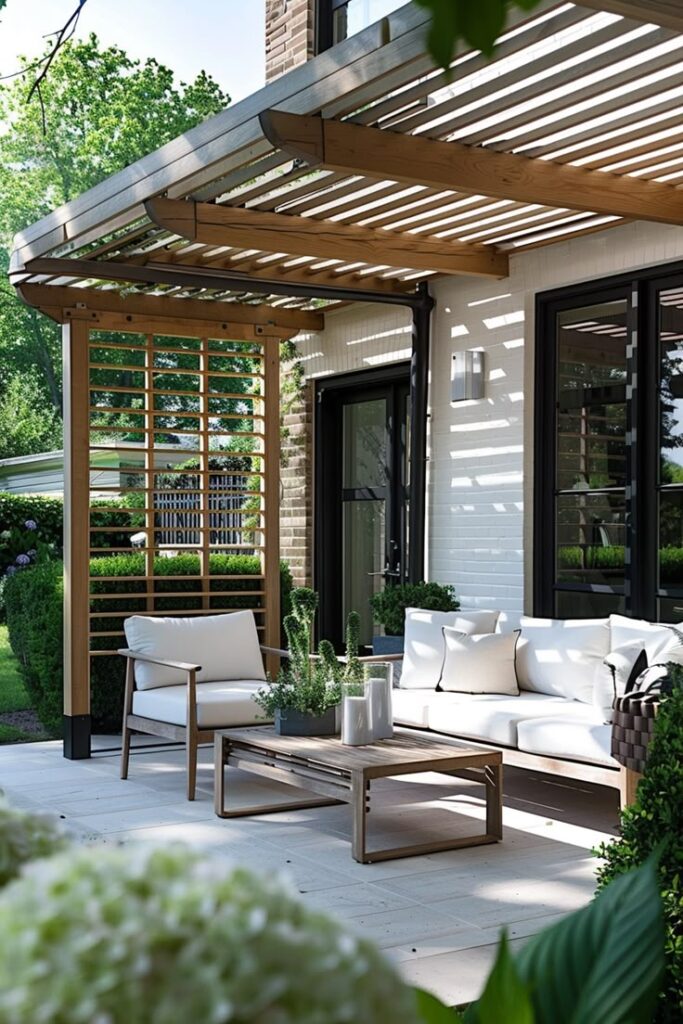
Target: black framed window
339,19
608,465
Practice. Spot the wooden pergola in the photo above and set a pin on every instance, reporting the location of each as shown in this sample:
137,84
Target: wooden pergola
357,177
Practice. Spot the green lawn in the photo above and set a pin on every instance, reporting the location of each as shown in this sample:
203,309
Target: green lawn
13,695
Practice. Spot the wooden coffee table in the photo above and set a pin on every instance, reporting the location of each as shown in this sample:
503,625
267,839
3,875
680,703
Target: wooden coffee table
339,774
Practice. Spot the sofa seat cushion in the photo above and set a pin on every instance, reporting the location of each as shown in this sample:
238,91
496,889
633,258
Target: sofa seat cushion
569,737
489,717
226,646
560,657
424,644
219,704
411,707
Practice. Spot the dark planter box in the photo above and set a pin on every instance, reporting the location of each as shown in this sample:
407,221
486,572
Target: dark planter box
387,644
298,723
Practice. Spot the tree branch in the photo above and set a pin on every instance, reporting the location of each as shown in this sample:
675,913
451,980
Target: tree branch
63,35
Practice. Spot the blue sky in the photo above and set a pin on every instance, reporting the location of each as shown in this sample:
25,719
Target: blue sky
222,37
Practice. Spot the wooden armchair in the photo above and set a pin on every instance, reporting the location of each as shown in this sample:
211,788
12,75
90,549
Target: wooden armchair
179,699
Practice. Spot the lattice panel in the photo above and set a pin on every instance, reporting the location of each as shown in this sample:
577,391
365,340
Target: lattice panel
177,458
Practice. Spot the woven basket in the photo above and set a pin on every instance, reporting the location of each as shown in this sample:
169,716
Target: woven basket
633,722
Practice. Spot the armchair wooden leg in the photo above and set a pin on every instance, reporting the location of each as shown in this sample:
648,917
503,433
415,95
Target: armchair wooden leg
191,754
125,731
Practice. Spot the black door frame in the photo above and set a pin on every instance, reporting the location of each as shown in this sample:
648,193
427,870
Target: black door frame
327,496
640,287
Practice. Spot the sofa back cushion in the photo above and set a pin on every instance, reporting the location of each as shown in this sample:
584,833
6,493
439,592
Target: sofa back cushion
561,656
424,644
658,638
226,647
479,663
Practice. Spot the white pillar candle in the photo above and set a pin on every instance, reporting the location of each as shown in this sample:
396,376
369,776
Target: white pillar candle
381,714
356,721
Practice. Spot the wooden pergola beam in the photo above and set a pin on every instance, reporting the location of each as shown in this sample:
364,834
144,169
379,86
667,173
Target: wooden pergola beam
268,319
667,13
304,236
296,275
376,153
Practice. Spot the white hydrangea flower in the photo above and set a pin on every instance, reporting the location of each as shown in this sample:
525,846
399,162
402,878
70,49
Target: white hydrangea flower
165,936
24,837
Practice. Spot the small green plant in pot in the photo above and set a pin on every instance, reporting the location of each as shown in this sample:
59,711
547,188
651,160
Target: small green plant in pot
304,699
389,610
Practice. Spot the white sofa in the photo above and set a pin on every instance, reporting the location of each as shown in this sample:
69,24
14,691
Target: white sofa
560,719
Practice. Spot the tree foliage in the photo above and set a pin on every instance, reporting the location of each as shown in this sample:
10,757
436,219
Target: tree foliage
101,111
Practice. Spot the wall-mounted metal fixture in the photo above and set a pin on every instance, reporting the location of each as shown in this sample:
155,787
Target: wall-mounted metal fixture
467,375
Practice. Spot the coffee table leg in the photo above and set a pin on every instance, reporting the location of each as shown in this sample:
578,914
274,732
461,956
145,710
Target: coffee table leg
360,795
218,776
493,774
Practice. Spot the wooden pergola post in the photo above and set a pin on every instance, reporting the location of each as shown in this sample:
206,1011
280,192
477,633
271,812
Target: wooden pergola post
77,726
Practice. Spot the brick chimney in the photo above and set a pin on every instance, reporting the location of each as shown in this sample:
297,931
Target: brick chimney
290,35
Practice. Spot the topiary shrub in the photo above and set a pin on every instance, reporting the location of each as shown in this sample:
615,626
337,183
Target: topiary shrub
153,936
35,620
654,822
389,606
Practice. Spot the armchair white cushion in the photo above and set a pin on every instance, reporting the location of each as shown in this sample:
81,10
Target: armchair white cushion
226,646
219,705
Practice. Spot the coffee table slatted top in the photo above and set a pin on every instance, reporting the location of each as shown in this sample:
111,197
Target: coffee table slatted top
403,751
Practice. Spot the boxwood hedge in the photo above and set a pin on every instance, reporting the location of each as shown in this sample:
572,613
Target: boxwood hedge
33,600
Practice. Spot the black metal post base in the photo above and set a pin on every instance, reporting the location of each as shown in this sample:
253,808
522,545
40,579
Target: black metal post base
77,737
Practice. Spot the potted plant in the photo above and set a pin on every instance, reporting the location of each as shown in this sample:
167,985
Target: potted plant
389,610
304,699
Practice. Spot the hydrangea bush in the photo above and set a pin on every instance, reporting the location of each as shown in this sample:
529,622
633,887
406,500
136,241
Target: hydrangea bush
23,838
156,936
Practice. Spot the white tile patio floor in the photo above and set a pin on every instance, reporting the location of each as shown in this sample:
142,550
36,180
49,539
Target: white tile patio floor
438,916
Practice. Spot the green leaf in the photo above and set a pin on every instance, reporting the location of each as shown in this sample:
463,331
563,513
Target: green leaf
432,1011
604,963
478,23
505,997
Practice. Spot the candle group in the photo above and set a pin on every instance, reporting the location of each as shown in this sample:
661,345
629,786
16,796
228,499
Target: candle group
366,707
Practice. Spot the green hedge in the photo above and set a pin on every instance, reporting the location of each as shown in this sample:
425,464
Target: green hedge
34,617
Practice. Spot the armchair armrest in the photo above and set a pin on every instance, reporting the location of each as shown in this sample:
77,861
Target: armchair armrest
274,650
180,666
381,657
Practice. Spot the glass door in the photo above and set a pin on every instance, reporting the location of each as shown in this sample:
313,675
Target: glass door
362,486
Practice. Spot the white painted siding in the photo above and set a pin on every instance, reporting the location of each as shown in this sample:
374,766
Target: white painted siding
357,337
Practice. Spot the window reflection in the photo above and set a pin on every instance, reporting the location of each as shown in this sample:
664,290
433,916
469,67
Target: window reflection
355,15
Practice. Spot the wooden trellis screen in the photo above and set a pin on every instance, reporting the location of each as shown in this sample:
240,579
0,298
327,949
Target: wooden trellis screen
219,398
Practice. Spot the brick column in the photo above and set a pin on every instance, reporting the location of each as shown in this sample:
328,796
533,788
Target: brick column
296,473
290,35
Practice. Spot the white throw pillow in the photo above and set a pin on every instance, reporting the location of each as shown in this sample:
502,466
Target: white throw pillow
483,663
226,647
612,677
424,644
560,656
